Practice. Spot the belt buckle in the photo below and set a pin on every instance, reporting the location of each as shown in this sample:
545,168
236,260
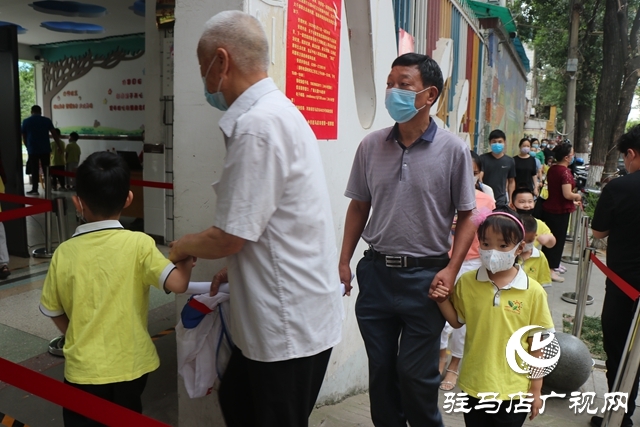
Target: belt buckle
395,261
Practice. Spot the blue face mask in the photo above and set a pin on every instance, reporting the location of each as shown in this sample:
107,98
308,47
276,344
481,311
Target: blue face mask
401,104
536,146
497,147
573,159
216,99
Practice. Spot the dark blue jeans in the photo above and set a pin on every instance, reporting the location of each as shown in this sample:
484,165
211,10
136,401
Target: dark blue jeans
401,329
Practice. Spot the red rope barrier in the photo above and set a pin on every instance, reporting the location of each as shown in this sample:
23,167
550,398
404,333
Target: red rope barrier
134,182
72,398
629,290
36,206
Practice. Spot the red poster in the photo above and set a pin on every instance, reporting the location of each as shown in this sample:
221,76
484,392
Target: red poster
313,55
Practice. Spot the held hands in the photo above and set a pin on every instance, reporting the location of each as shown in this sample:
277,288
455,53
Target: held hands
445,278
441,293
175,255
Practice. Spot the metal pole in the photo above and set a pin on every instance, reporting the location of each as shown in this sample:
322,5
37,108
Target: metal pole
583,293
626,375
572,227
574,258
62,219
583,235
47,251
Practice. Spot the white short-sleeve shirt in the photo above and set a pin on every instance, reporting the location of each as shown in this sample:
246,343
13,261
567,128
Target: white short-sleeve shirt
285,289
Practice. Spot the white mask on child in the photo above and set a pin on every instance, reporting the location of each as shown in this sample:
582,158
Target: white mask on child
528,247
496,261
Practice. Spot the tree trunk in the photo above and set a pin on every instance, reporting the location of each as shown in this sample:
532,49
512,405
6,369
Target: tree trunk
583,131
608,93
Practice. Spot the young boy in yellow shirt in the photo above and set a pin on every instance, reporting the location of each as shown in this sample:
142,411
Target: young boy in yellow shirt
535,264
97,290
522,201
72,158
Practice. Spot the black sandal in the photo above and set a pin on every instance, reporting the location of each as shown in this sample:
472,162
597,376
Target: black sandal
4,272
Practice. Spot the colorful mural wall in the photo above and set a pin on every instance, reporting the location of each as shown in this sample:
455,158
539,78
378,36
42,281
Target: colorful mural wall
506,99
485,81
95,87
460,105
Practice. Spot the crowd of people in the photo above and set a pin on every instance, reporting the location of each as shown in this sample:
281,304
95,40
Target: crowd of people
274,225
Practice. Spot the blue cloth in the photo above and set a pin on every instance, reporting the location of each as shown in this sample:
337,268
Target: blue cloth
37,128
192,313
393,304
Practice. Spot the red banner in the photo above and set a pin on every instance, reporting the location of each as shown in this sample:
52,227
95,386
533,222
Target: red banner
313,55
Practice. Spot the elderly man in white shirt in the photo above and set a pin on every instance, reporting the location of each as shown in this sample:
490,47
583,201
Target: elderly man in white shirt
274,224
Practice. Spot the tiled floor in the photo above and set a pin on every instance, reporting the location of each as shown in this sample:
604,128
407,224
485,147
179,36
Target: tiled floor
25,333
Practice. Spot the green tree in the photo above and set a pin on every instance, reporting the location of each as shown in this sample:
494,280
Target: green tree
545,24
26,73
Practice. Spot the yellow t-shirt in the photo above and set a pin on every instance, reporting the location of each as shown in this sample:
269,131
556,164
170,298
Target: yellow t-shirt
73,152
537,267
57,157
492,316
542,229
100,279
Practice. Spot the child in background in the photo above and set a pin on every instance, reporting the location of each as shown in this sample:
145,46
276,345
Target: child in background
471,262
494,302
97,291
523,203
57,163
72,158
535,264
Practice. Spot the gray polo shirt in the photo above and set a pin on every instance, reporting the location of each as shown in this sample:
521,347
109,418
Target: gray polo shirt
413,191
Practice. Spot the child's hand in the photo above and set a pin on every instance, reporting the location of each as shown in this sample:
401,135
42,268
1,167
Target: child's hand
536,405
440,293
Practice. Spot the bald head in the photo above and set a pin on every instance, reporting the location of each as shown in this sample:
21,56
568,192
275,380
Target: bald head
241,35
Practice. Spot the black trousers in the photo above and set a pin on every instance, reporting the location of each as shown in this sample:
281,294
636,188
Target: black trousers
57,178
33,167
617,318
271,394
558,224
126,393
480,418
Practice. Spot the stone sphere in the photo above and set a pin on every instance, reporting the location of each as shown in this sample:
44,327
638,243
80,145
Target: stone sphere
574,367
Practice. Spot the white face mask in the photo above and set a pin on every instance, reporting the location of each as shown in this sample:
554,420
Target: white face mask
528,247
496,261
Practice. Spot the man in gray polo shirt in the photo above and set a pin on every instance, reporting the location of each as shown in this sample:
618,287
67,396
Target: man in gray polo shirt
412,178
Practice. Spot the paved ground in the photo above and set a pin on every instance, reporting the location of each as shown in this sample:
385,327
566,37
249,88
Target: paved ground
354,411
24,335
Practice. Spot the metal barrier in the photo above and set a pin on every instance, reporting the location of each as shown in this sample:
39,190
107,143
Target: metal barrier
59,210
577,238
584,269
573,224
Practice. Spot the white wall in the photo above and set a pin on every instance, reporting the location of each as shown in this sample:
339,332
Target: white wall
199,153
154,163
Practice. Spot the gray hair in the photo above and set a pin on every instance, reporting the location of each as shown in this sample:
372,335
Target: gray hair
241,35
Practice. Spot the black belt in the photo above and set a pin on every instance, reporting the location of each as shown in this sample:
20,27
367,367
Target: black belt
401,261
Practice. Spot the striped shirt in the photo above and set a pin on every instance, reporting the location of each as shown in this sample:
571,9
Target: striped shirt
413,191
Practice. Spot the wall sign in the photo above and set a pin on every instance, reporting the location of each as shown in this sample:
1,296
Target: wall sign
313,48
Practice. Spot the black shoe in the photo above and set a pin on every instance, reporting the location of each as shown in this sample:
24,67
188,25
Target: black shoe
4,272
33,192
597,422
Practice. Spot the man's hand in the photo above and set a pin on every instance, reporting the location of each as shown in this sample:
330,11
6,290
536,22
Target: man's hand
220,277
175,254
445,277
345,277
